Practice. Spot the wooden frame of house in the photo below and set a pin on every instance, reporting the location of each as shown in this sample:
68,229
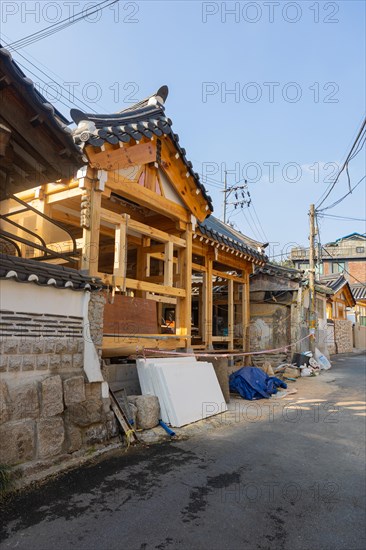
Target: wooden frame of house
138,218
341,299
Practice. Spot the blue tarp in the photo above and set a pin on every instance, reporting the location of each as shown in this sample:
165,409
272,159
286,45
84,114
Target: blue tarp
253,383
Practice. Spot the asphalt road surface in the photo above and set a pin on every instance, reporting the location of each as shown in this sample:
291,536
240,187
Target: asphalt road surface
292,479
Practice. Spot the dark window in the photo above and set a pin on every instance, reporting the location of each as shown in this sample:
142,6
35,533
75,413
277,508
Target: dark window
338,267
360,249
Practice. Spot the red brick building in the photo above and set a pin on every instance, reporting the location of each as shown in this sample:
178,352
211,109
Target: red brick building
346,255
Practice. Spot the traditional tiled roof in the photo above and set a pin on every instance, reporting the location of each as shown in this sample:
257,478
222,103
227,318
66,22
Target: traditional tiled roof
24,270
213,228
144,119
359,291
53,116
279,271
336,282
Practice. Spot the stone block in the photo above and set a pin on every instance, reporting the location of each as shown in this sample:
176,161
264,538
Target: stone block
111,424
29,362
73,438
80,345
51,436
95,434
93,390
74,390
5,413
49,345
83,414
51,396
78,360
148,411
24,401
25,346
54,363
3,363
17,442
38,346
72,345
42,362
66,362
15,362
61,345
10,345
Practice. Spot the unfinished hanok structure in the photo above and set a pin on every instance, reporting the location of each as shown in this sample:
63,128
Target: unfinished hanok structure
141,221
148,233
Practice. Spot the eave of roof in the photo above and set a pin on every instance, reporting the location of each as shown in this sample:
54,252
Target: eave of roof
145,119
53,116
24,270
221,233
359,291
279,271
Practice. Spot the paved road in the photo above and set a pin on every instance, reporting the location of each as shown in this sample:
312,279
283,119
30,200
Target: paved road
293,480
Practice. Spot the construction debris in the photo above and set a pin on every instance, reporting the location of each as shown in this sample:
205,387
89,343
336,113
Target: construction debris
187,389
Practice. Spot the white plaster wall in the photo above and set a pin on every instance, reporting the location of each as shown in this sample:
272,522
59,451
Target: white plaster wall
31,298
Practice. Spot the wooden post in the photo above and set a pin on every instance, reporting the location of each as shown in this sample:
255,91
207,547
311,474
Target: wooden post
184,305
143,264
312,317
231,313
91,228
209,303
120,250
168,264
246,318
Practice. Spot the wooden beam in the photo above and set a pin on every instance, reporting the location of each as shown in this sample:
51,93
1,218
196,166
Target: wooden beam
114,347
161,299
64,195
143,229
147,198
208,290
133,284
122,157
182,180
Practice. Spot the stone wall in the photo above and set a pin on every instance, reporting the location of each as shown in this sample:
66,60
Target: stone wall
343,335
51,415
48,406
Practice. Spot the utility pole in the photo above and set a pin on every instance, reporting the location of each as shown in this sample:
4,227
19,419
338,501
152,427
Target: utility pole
312,318
237,189
225,195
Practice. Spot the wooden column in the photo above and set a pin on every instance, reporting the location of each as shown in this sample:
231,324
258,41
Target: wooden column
246,317
91,227
230,289
184,305
120,250
143,264
207,291
168,264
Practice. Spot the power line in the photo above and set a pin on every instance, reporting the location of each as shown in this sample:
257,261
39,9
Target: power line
351,155
259,222
342,198
70,103
58,26
345,218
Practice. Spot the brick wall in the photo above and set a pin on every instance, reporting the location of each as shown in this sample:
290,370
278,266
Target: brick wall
357,270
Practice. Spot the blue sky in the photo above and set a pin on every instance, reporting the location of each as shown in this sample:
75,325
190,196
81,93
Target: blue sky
295,69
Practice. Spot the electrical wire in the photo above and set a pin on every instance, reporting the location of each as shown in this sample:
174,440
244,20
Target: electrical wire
58,26
355,149
342,198
345,218
70,103
259,222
